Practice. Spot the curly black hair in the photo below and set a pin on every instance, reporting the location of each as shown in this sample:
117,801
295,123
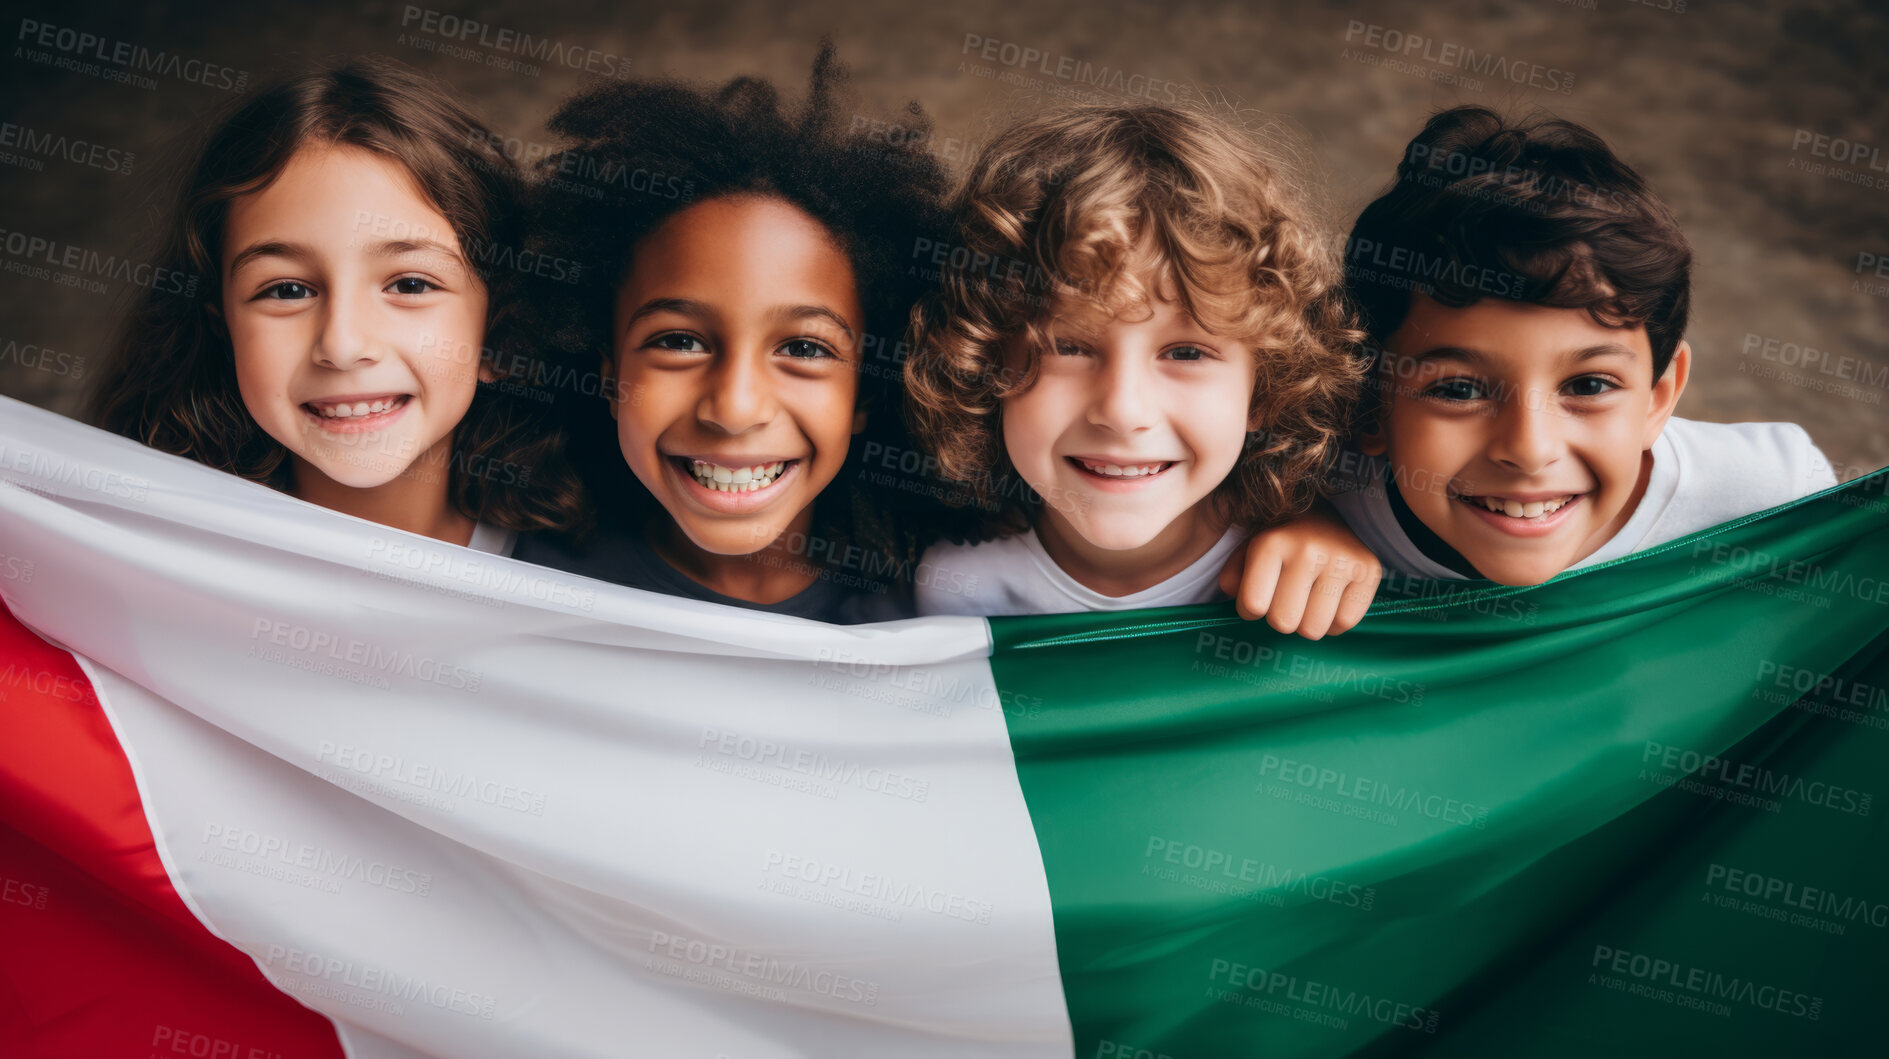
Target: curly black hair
635,153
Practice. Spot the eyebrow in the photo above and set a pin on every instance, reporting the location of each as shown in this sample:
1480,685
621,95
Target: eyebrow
397,247
385,248
679,306
272,248
1478,358
700,310
819,312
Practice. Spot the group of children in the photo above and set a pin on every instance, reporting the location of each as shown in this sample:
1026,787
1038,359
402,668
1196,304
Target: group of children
732,349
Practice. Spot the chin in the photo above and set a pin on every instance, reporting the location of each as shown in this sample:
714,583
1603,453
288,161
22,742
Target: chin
1118,538
734,541
357,476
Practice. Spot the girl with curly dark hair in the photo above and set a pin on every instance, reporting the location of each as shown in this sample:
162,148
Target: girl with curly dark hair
742,276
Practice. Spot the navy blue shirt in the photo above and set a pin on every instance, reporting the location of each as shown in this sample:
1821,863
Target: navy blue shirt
626,558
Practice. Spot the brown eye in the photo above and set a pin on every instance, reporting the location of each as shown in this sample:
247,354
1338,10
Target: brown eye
287,291
678,342
412,285
805,349
1455,390
1589,386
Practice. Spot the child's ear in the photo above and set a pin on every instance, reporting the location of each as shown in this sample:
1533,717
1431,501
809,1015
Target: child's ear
1666,391
859,420
486,374
1371,439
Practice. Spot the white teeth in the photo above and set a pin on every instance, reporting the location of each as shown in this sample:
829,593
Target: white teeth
1518,509
1116,470
356,408
722,479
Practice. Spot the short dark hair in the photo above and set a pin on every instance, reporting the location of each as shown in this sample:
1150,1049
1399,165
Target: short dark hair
172,381
635,153
1539,211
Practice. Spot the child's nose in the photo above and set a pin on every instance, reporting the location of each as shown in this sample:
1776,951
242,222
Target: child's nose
345,339
1527,434
740,394
1122,401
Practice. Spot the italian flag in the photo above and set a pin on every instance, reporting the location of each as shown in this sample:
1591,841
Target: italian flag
278,782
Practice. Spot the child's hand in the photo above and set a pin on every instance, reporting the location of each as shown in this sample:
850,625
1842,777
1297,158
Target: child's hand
1311,576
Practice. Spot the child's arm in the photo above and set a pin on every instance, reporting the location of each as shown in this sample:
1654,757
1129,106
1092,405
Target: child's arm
1311,576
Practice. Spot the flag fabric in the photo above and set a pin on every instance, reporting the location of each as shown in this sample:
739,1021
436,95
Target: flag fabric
308,786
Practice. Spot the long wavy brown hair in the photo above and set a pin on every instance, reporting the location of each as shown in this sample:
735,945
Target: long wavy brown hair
1074,203
172,383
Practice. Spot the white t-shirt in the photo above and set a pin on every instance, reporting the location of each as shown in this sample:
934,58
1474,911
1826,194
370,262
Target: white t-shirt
1014,575
1703,474
490,538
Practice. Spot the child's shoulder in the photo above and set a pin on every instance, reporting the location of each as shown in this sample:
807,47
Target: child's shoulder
1723,471
1749,465
968,578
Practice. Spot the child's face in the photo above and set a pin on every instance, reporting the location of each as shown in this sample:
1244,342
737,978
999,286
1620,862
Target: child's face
1131,424
355,320
1540,412
737,351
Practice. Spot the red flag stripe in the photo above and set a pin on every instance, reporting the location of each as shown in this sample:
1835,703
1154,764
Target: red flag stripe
99,956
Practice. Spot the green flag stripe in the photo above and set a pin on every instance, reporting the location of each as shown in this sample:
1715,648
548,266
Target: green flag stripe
1528,820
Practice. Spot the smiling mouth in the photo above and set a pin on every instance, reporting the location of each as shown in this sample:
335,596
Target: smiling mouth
721,478
1521,510
1119,472
356,409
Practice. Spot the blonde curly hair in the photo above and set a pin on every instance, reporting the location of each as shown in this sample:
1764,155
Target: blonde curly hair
1071,204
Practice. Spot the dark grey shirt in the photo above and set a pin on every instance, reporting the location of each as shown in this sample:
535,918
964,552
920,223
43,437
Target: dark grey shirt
626,558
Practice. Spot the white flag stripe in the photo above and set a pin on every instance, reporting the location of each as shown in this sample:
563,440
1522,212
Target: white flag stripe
473,807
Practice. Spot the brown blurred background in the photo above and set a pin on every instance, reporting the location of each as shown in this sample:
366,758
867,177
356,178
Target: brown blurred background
1760,127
